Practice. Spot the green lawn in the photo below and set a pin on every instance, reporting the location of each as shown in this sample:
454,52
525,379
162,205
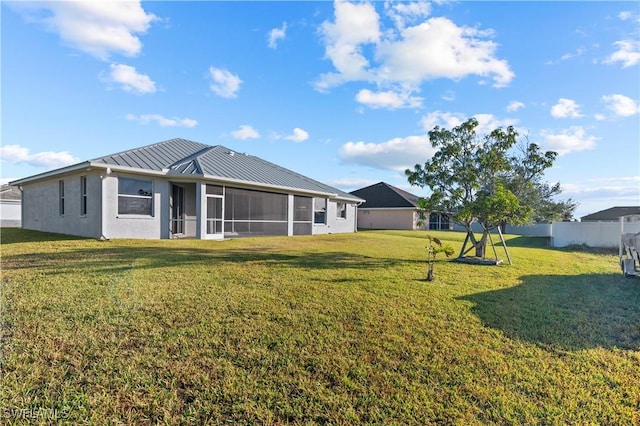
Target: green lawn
338,329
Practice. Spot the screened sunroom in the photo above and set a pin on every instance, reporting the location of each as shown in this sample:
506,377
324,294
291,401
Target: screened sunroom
231,212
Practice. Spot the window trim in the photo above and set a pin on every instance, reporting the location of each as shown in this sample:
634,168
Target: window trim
61,197
83,196
322,210
341,210
149,197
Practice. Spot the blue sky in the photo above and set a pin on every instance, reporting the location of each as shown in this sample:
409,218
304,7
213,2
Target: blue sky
342,92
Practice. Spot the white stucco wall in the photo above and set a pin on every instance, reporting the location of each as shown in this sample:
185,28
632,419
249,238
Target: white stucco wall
387,219
40,209
336,225
41,204
136,226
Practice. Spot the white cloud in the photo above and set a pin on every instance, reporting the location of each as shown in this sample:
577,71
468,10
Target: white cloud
624,15
449,96
245,132
19,154
397,154
277,34
621,105
99,28
579,52
447,120
224,83
354,26
515,106
628,53
130,80
388,99
598,194
600,117
406,13
566,108
438,48
569,140
298,135
162,121
405,55
351,184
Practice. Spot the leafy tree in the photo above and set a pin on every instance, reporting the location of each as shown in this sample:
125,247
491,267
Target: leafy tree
480,178
528,186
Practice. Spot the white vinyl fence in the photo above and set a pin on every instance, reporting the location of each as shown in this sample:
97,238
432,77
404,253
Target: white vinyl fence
592,234
562,234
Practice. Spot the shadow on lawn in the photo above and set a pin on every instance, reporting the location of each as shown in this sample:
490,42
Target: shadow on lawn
115,259
566,312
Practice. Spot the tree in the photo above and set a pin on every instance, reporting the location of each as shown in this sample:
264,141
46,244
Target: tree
532,191
480,179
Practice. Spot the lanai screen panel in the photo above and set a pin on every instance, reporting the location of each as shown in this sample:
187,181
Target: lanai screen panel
302,215
252,213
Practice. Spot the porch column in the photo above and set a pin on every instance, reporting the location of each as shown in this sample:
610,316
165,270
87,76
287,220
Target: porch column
290,212
201,210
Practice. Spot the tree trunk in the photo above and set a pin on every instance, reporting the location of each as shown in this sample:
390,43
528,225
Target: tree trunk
481,245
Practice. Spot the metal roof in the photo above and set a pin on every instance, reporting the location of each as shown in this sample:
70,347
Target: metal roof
158,156
185,158
611,214
383,195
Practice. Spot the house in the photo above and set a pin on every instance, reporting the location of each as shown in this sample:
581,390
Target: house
180,188
389,207
612,214
10,206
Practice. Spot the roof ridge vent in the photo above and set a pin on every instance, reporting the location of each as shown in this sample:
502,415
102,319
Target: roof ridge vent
231,153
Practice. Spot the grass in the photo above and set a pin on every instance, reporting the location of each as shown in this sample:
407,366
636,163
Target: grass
338,329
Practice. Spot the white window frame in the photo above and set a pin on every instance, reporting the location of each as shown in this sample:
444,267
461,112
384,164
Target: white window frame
61,197
83,196
149,197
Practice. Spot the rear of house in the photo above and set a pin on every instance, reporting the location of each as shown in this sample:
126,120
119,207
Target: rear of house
180,188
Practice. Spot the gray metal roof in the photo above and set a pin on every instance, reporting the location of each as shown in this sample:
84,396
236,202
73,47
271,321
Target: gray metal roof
158,156
181,157
611,214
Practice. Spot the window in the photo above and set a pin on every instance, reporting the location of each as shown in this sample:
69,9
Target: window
83,195
341,211
134,196
61,197
320,211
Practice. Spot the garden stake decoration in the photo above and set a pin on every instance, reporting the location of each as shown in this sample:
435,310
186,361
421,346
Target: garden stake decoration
432,251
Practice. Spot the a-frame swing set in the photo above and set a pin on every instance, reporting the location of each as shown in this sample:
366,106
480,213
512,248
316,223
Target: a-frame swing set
463,252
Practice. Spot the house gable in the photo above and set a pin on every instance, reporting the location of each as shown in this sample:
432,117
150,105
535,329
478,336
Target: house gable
383,195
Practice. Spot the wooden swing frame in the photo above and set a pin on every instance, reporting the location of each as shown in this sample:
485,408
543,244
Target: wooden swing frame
462,256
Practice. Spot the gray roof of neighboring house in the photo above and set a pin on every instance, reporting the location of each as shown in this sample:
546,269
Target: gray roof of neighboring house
183,158
9,192
611,214
383,195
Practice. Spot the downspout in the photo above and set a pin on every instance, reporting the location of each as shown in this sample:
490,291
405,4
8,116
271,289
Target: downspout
22,209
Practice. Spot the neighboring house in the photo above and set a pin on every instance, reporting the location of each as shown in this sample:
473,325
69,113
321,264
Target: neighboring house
10,206
389,207
612,214
180,188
